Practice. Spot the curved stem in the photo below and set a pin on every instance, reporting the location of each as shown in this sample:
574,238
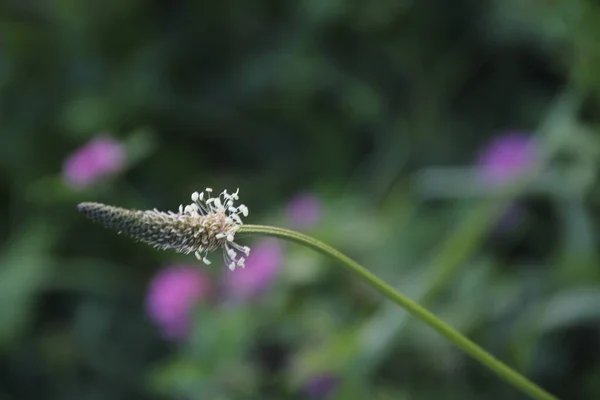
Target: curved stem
445,265
497,366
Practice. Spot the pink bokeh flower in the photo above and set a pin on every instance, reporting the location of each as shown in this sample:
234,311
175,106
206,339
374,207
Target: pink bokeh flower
304,210
262,266
172,295
100,157
507,157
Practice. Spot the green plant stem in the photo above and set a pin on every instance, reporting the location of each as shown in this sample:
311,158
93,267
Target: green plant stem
497,366
446,264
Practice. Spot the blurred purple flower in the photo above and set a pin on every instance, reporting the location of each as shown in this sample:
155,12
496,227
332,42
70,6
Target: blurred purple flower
100,157
507,156
304,210
262,266
321,385
171,298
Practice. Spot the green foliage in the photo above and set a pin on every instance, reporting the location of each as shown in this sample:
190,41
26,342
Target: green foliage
352,100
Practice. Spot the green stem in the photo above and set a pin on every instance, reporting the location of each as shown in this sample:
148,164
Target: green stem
446,264
497,366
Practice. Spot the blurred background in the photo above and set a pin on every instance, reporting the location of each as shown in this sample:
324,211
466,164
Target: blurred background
387,129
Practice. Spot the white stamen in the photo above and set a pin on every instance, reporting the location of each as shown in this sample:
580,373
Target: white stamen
219,218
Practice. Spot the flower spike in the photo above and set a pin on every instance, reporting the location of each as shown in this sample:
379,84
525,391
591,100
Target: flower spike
207,224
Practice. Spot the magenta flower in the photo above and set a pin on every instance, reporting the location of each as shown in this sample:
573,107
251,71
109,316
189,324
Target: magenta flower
100,157
304,210
262,266
322,385
172,295
508,156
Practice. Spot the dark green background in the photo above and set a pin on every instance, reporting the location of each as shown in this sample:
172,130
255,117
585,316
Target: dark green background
349,99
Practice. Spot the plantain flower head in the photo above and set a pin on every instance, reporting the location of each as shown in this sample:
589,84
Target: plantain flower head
207,224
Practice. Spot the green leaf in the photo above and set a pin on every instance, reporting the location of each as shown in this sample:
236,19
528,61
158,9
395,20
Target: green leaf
568,308
24,265
330,357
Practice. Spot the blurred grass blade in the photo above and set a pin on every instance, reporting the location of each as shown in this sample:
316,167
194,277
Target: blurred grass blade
24,264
